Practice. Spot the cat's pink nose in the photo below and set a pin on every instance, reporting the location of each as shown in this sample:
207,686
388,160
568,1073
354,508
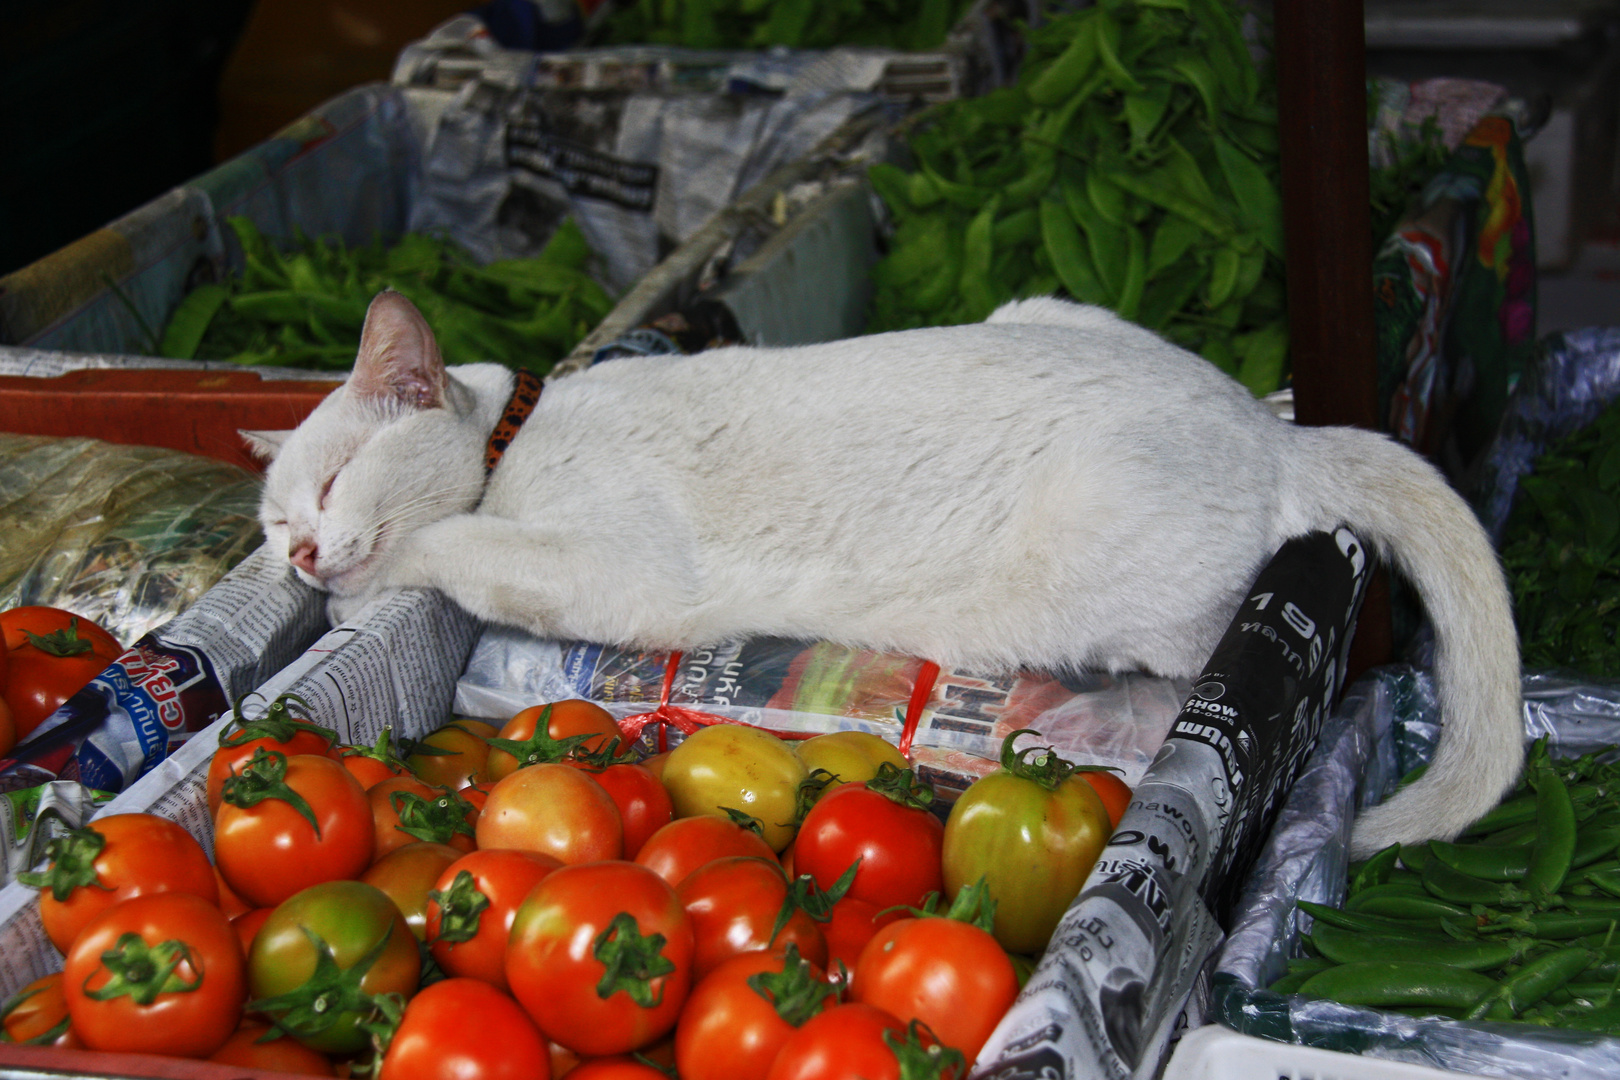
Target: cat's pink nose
303,557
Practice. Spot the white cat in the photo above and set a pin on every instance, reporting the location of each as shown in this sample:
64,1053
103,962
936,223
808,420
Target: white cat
1053,487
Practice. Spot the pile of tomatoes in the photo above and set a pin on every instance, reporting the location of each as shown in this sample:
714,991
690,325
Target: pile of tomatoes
535,900
49,655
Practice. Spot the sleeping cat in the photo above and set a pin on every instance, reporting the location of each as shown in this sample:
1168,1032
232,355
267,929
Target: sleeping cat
1054,487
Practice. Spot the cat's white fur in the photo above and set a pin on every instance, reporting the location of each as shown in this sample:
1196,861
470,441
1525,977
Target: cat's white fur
1054,487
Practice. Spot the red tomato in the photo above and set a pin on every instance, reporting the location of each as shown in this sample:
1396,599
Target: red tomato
734,903
565,720
247,927
463,1028
687,843
643,802
898,846
231,904
406,811
269,850
853,924
471,907
555,810
730,1031
279,730
112,859
615,1067
407,875
46,669
949,974
199,974
8,727
36,1012
575,921
841,1043
18,622
1114,793
246,1050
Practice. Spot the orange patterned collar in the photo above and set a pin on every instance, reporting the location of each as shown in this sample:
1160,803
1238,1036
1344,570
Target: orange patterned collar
526,387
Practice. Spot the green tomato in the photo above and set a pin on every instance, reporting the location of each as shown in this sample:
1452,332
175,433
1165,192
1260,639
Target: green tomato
727,766
320,1002
1034,845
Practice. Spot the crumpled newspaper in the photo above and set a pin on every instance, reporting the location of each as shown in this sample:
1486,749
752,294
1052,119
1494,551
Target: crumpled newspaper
126,536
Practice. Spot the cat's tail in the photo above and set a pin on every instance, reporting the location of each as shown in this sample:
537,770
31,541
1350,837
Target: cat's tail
1400,504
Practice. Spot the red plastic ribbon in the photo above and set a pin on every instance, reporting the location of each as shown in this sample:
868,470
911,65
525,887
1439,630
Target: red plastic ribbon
921,691
689,720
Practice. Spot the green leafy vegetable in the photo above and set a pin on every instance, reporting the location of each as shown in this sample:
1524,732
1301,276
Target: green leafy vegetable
304,307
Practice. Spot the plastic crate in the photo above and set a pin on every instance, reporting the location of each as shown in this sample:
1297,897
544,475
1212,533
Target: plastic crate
1218,1053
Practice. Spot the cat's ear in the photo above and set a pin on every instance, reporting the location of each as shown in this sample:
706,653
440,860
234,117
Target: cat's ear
264,445
398,359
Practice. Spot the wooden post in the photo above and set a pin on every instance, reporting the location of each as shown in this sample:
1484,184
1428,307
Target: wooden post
1322,124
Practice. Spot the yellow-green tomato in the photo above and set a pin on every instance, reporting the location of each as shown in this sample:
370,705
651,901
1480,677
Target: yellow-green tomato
1034,846
726,765
851,756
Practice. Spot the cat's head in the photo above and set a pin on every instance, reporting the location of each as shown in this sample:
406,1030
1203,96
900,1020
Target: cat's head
395,447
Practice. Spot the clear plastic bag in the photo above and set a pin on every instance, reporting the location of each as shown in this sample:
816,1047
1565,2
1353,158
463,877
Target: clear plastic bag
127,536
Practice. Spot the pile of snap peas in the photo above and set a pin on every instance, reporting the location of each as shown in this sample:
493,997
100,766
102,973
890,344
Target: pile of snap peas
1518,920
1134,165
303,307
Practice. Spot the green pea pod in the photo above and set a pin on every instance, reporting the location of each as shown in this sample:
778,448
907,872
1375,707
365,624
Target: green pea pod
920,245
262,267
1108,243
1143,111
1415,855
1492,862
1414,907
1607,880
921,190
1184,173
190,321
1064,75
1130,294
1349,946
978,250
1264,354
938,288
1042,167
1195,72
1223,276
1250,271
1554,926
1593,844
274,305
1240,75
1171,240
1017,228
1389,983
1290,983
1107,37
1070,260
964,195
1376,870
1259,204
1155,187
1555,836
1442,880
1169,292
1106,197
1532,982
1390,888
1365,922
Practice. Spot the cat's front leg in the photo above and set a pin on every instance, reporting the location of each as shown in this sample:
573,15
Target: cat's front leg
550,582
